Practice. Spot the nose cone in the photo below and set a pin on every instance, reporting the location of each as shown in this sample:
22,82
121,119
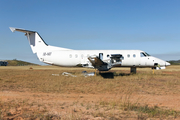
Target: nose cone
167,63
160,62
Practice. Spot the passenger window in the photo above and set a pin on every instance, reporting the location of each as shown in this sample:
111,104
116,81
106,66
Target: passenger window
76,55
70,56
107,55
134,55
128,55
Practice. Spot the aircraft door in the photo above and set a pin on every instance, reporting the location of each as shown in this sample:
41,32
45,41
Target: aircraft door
116,59
101,56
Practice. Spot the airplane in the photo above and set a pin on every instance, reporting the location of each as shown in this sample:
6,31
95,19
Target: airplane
102,60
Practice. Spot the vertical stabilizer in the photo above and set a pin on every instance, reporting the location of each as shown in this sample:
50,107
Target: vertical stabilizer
36,42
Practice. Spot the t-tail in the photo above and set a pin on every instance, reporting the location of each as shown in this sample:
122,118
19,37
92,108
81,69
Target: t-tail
36,42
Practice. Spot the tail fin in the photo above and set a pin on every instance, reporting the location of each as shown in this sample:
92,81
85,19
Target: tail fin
36,42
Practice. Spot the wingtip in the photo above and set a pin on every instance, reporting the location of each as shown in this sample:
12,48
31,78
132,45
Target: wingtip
12,29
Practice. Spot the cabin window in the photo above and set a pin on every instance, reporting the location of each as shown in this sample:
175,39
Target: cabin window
107,55
76,55
82,56
134,55
70,56
128,55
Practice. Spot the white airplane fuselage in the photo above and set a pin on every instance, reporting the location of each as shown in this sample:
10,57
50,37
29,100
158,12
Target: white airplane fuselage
103,60
71,58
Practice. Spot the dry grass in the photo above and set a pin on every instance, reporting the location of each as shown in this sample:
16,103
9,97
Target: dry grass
39,79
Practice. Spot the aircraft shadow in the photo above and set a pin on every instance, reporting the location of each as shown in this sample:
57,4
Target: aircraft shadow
111,75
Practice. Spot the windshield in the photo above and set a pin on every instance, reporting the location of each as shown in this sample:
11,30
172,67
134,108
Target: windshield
144,54
147,54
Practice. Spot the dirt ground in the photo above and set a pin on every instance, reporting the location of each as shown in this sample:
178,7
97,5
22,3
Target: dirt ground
19,102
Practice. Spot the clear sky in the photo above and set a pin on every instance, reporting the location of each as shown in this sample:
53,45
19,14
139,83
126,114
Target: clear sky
149,25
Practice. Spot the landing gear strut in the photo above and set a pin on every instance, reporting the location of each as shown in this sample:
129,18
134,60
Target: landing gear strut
133,70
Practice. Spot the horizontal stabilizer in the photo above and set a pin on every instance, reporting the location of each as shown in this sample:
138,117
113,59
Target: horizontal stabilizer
21,30
12,29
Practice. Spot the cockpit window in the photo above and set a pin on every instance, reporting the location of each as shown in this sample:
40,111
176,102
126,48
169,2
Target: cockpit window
147,54
144,54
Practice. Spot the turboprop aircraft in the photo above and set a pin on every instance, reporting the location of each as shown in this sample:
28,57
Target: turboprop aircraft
102,60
